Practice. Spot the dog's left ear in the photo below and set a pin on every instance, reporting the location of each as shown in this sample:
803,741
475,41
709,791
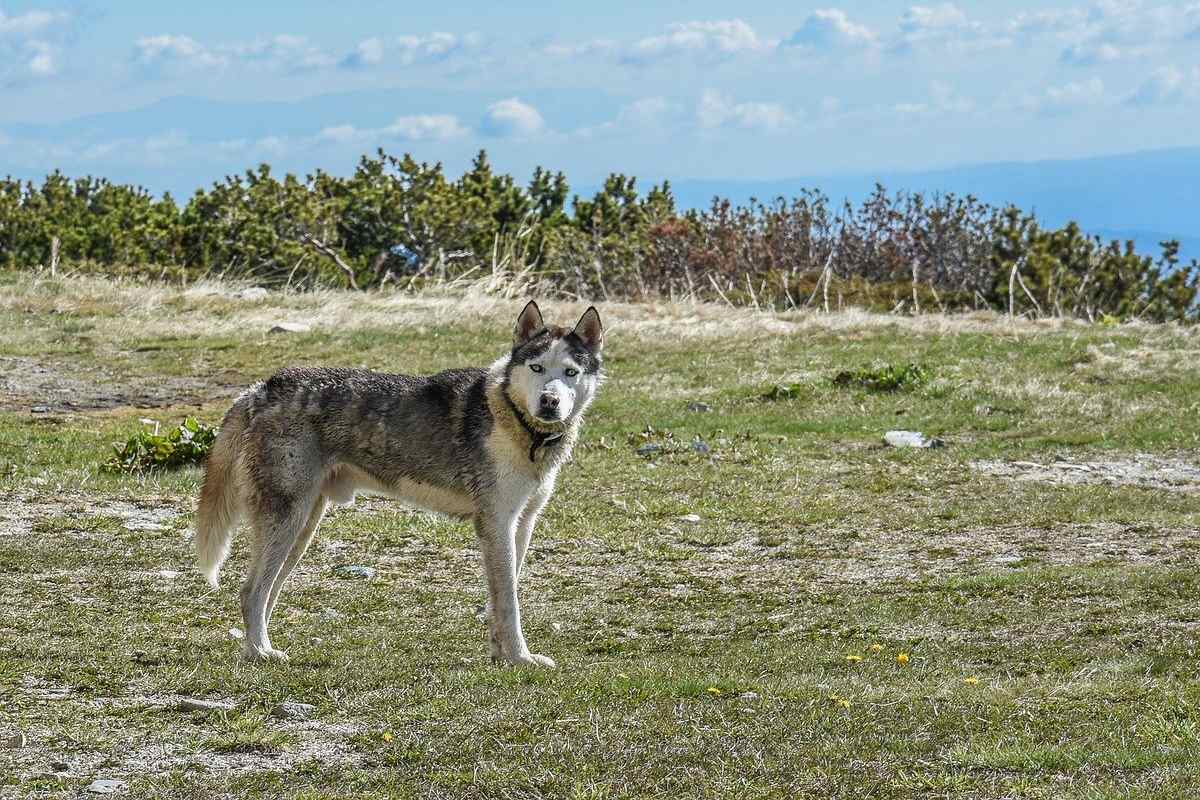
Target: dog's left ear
589,329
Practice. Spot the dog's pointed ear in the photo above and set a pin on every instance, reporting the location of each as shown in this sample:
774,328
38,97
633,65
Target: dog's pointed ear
529,323
589,329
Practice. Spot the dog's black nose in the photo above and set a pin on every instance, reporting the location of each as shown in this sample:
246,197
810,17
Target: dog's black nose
550,401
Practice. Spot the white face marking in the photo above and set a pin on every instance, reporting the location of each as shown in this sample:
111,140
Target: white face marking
553,386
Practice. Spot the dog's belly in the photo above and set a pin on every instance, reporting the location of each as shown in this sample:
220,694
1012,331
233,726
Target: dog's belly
432,498
345,481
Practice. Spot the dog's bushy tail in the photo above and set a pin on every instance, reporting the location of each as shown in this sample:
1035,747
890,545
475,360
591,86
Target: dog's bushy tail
220,503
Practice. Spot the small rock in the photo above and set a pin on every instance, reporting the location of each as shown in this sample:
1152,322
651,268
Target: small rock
169,574
984,410
290,327
331,614
556,627
291,710
354,571
59,766
106,786
648,449
16,741
698,446
190,704
253,293
698,407
40,410
236,633
911,439
691,519
748,695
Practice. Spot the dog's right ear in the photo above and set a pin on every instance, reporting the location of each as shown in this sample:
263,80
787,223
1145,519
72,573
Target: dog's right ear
529,323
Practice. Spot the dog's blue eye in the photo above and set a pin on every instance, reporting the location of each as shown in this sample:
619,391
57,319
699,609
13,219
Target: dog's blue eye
572,372
536,367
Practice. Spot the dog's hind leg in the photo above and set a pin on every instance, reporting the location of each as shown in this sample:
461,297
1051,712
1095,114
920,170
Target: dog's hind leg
297,552
279,531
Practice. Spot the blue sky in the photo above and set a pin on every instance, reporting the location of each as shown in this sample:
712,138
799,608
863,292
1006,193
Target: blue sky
171,94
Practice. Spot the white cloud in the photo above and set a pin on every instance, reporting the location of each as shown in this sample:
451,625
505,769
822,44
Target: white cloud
648,112
341,134
422,127
512,117
591,47
829,28
409,50
1074,96
368,53
924,19
945,26
281,52
411,128
1119,29
942,100
169,48
1091,53
435,47
1165,86
31,22
30,45
716,110
717,39
1028,24
42,63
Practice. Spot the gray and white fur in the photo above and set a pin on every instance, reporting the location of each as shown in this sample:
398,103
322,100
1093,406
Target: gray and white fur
478,444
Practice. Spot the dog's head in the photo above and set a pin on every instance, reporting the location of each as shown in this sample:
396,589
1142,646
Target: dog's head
553,373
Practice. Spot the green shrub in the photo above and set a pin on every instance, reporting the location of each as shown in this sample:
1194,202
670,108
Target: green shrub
888,378
187,444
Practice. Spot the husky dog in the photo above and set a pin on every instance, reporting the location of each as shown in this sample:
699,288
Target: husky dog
478,444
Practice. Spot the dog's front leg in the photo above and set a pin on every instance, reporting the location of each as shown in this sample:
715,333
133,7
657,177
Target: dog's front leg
497,539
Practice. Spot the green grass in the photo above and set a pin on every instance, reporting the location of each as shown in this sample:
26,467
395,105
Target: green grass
1051,629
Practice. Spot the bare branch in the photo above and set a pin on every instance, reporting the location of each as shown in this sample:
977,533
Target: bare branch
332,255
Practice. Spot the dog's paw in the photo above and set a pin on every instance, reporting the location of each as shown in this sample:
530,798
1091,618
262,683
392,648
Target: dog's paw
264,654
533,660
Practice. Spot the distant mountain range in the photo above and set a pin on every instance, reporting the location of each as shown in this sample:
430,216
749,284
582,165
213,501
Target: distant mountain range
1145,197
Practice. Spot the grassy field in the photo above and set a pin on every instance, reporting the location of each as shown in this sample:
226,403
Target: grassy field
1013,615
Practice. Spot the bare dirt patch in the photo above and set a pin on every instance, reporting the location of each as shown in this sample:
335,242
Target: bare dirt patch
45,387
1145,471
47,752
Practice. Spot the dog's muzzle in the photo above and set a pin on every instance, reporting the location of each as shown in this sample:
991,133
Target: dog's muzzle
548,407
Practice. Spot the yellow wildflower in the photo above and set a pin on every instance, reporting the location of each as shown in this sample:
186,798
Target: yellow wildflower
844,703
901,658
714,691
854,659
971,681
387,737
876,648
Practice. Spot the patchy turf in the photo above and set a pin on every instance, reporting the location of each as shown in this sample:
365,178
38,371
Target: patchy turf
1013,615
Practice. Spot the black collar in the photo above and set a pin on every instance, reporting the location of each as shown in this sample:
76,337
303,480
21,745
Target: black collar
539,438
